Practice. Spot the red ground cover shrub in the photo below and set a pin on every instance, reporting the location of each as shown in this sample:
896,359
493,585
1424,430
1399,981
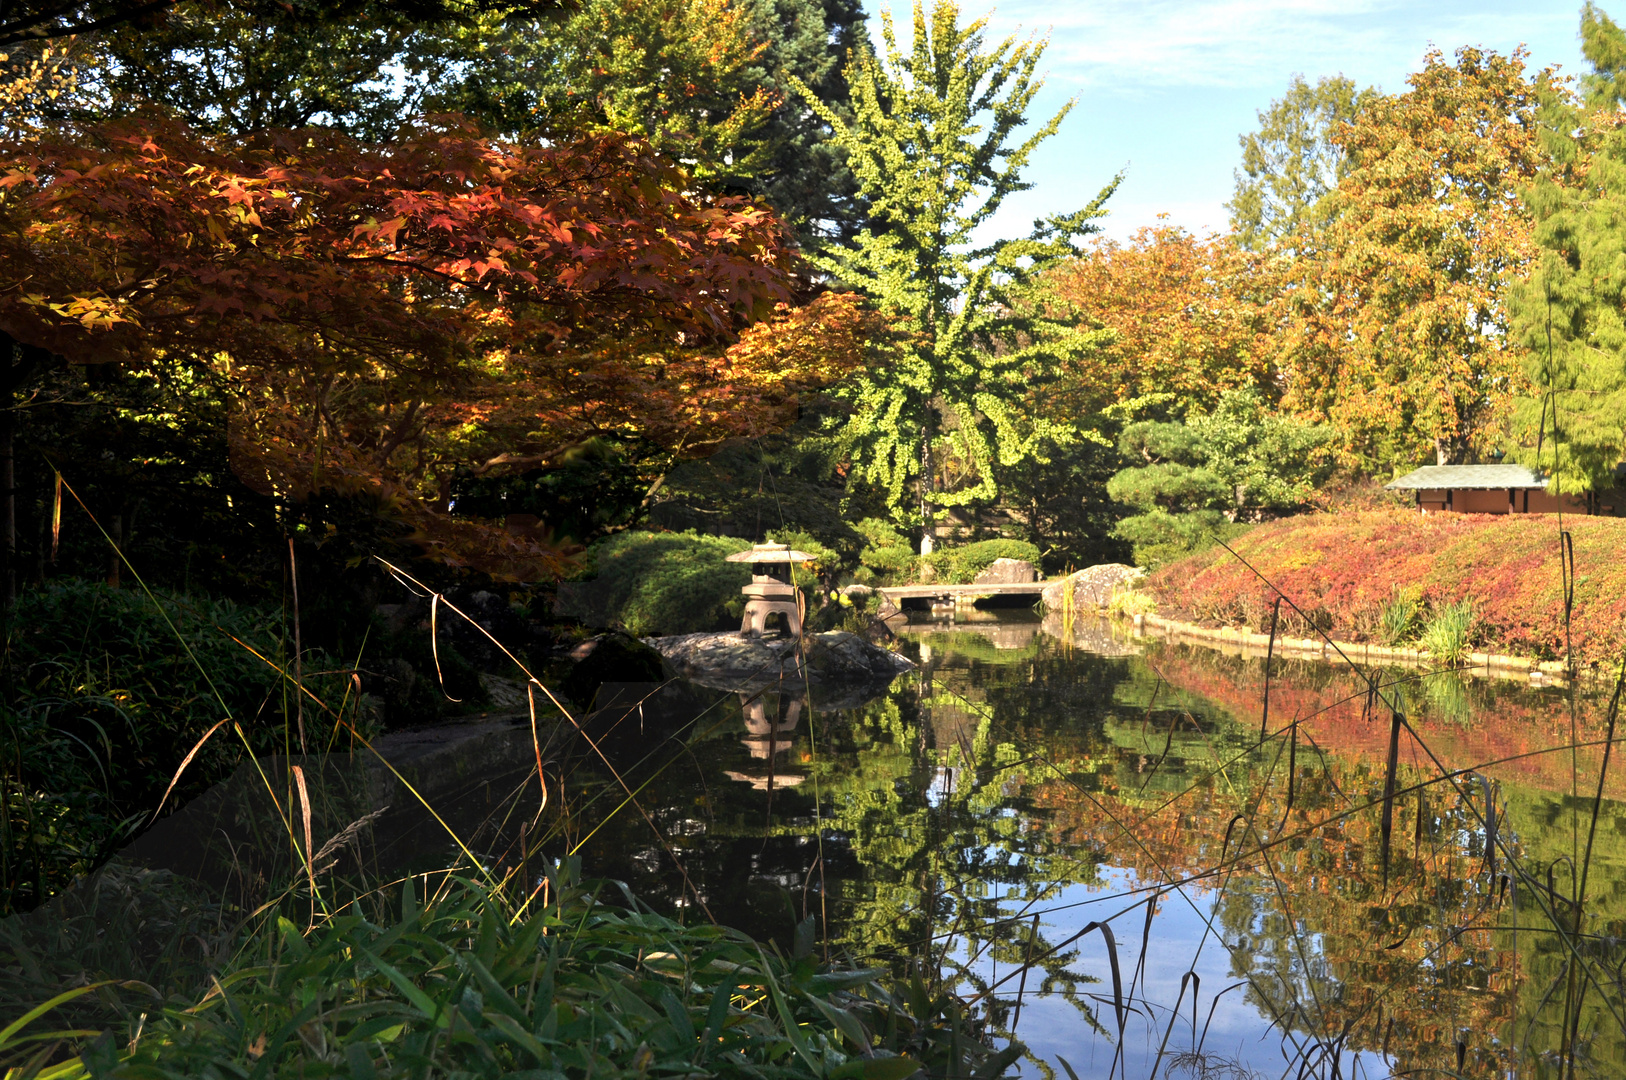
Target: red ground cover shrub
1341,569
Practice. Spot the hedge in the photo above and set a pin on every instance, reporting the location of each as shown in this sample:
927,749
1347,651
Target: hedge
961,564
1341,570
660,583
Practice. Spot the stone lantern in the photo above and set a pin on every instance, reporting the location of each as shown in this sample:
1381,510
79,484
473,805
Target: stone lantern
771,591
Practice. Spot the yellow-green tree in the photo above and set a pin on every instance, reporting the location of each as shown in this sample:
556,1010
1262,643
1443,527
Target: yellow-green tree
933,143
1396,322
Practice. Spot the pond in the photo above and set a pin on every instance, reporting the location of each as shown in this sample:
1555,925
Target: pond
1089,842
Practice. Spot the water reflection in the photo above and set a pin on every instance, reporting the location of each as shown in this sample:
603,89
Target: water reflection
770,721
992,810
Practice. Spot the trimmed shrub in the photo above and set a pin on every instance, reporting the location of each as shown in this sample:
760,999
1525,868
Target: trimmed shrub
886,556
959,565
1346,566
661,583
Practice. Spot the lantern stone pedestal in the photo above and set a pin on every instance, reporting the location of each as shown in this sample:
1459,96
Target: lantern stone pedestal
771,591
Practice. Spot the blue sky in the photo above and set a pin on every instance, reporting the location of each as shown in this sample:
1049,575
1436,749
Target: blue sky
1165,87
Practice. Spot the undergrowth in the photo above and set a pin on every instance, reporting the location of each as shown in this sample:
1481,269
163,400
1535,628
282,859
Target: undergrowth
496,981
105,693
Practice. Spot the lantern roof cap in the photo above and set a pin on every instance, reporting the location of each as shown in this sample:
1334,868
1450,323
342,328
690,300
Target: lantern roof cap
771,553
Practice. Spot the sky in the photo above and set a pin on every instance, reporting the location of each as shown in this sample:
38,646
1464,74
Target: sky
1164,88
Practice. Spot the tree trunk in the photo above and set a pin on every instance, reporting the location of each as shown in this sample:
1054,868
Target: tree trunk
927,529
8,500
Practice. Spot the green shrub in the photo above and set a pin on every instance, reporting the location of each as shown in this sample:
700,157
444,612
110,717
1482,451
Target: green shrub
660,583
886,555
1450,631
102,702
959,565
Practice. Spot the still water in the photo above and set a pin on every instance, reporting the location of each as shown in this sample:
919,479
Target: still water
1089,839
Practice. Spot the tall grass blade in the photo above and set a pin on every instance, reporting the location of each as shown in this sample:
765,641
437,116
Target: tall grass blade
1566,561
8,1034
1174,1017
1145,942
536,745
434,641
1574,1033
1117,977
1027,962
56,519
187,760
1490,821
299,655
305,813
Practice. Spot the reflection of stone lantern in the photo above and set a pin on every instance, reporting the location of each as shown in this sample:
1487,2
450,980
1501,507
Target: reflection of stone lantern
771,734
771,591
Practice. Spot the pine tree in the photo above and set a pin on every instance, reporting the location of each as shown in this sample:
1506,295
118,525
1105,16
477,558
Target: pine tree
932,145
1568,313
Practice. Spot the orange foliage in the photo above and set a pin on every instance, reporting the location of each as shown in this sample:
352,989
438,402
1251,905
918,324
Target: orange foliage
1397,327
1191,317
389,316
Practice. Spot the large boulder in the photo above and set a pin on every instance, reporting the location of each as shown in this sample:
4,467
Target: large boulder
734,660
1007,572
1092,587
609,657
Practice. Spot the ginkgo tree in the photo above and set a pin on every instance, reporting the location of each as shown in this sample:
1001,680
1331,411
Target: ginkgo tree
934,144
390,315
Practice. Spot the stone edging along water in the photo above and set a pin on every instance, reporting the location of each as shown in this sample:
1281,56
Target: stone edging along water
1244,642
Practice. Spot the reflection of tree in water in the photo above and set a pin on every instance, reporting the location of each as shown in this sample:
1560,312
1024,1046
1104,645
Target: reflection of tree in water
929,826
949,850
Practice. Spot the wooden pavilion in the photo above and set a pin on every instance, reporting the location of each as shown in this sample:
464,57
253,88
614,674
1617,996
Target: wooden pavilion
1491,489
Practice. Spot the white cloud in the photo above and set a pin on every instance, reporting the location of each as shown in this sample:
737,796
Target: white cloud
1126,45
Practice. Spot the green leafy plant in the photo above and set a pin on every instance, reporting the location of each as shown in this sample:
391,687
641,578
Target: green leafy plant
1450,631
478,981
1401,616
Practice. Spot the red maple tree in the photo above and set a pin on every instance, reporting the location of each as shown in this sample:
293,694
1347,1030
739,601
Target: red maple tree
390,315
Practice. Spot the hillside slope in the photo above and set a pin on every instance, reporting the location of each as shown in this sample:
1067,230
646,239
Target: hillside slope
1342,568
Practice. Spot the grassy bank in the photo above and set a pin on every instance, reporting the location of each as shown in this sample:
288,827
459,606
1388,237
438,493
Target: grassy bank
1394,576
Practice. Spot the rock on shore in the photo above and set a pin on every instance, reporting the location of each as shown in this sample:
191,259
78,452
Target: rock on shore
736,658
1092,586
